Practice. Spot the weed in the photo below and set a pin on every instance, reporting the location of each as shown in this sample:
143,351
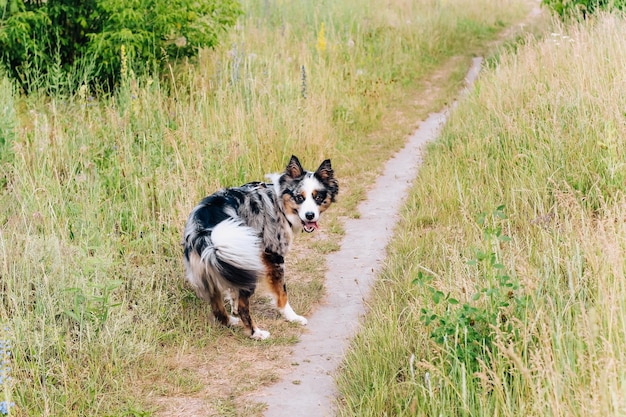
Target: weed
468,331
93,308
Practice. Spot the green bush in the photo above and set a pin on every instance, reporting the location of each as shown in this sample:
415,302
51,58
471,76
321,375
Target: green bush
468,333
53,37
582,8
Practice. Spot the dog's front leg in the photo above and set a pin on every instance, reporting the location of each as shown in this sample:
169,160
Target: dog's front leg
275,266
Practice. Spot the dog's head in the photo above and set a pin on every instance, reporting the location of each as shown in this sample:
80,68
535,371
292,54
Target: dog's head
305,195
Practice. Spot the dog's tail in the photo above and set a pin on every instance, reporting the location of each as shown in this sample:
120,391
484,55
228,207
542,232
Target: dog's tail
234,251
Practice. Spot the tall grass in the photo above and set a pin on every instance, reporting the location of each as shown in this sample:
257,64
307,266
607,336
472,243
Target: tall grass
94,190
535,158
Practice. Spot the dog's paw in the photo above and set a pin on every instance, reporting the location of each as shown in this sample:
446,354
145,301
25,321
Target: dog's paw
291,315
298,319
233,321
260,334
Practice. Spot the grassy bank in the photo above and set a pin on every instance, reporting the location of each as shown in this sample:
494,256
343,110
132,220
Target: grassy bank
504,292
94,192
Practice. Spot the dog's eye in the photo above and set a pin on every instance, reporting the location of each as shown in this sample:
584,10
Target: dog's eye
320,196
299,198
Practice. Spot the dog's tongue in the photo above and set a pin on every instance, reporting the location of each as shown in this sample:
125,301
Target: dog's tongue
309,226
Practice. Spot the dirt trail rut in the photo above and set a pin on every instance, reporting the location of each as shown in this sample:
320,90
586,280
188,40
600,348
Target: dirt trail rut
308,390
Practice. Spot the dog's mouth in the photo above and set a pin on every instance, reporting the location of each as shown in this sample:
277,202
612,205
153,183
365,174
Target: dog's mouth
309,227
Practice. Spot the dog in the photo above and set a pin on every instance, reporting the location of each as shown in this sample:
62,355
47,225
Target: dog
239,236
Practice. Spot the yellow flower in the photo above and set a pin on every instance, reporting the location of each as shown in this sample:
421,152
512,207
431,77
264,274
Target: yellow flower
321,40
124,66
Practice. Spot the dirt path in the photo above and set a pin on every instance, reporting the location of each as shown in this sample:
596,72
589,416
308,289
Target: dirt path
309,388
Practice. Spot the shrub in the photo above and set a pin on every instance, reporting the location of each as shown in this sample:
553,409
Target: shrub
468,332
582,8
43,37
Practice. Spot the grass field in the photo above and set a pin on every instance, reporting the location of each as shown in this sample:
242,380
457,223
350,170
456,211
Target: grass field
94,192
504,292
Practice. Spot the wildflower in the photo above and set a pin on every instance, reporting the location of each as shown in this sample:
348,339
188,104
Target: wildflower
303,91
321,40
5,379
124,65
82,92
5,407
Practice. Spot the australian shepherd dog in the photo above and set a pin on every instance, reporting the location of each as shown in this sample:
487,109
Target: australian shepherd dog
239,236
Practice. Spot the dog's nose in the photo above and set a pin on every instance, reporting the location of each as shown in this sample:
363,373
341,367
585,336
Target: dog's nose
309,215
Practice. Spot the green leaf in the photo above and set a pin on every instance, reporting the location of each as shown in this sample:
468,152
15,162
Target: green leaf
438,296
72,315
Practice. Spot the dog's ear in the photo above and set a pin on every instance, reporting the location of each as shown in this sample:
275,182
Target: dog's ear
326,175
294,169
325,171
